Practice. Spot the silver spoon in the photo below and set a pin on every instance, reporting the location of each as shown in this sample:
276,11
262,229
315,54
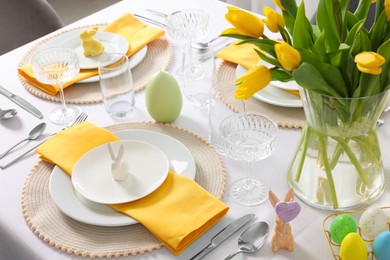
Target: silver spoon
252,239
34,134
8,113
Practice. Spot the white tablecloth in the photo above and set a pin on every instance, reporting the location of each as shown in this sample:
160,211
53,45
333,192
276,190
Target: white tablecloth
17,241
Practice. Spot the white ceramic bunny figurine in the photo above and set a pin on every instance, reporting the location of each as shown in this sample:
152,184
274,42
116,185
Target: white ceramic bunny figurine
119,169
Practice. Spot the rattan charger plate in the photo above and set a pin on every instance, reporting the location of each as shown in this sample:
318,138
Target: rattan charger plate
71,236
158,56
284,116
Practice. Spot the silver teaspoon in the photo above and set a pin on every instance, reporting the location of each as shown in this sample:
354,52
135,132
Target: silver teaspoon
34,134
8,113
252,239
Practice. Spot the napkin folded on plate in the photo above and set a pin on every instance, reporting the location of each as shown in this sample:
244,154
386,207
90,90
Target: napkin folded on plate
133,30
177,213
245,55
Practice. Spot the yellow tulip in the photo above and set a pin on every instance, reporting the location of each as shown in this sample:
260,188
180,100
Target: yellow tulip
287,56
277,2
273,19
369,62
255,79
387,9
244,22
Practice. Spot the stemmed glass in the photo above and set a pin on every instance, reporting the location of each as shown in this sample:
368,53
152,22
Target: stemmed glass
57,66
246,137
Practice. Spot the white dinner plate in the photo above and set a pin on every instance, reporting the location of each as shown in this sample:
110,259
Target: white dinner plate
113,43
134,60
147,169
274,95
72,204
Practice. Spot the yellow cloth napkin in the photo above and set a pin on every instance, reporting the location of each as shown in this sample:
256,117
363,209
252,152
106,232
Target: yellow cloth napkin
177,213
243,54
134,31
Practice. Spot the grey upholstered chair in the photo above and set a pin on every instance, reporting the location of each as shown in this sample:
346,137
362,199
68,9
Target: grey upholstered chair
22,21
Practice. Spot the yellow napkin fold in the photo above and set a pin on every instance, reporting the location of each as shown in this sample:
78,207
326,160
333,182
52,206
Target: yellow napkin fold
177,213
243,54
134,31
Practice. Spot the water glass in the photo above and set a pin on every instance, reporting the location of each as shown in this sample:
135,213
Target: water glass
198,72
116,85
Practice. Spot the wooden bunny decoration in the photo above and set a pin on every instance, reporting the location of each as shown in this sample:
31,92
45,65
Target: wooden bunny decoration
286,211
119,168
91,46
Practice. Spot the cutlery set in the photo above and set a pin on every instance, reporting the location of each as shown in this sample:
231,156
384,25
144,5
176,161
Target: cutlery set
250,240
81,118
21,102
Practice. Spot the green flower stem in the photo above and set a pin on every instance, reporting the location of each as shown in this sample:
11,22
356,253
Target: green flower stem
366,149
336,155
305,141
353,159
322,152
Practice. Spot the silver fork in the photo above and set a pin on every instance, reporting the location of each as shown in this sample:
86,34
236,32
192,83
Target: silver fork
81,118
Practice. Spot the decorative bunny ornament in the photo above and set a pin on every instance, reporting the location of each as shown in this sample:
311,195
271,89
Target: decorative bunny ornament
286,211
119,168
91,46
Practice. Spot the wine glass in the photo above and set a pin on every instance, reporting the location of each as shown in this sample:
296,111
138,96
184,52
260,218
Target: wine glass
243,136
187,25
56,66
248,137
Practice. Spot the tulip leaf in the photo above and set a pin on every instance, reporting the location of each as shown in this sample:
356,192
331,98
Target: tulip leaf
281,75
330,73
319,48
285,35
362,9
300,39
352,33
268,59
326,23
378,31
310,78
384,50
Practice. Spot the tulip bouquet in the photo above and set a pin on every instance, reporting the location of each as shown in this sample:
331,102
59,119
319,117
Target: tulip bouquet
338,64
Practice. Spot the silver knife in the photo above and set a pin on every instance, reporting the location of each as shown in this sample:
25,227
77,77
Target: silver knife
21,102
223,234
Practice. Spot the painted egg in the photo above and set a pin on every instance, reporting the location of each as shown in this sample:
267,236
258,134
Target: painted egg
372,222
341,226
163,97
353,248
381,246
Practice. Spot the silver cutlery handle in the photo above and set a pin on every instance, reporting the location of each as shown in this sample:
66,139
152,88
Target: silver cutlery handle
203,252
23,154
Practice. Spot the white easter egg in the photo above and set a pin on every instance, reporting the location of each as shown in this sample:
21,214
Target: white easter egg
372,222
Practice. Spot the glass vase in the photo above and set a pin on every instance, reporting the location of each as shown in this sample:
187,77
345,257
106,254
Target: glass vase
337,164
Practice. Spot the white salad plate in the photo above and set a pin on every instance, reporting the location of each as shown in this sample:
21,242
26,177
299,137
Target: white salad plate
72,204
274,94
147,169
113,43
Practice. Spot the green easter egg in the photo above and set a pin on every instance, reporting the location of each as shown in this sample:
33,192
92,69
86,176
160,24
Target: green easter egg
163,97
341,226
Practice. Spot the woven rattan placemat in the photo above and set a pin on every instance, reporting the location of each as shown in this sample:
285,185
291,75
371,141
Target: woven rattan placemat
284,116
64,233
158,56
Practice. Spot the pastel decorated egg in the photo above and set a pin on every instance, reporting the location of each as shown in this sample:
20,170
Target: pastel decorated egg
341,226
163,97
381,246
372,222
353,248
